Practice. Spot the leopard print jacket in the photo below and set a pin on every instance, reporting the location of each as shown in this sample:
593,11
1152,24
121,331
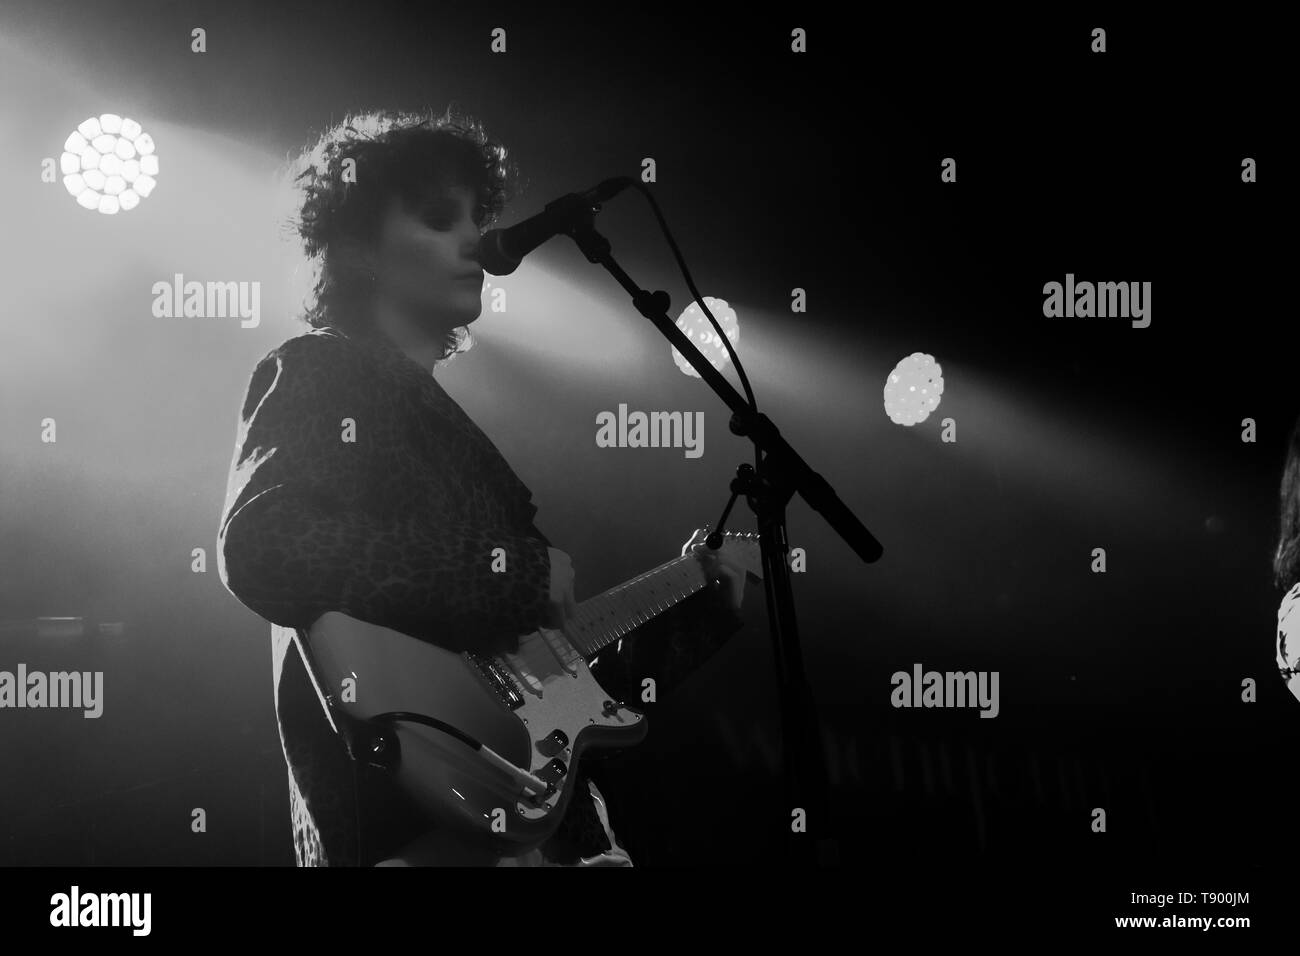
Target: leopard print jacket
392,525
1288,640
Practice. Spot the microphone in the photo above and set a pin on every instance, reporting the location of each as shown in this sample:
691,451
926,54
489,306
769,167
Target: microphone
501,250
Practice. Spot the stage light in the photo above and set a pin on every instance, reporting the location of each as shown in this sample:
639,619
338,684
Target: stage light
704,337
109,163
913,389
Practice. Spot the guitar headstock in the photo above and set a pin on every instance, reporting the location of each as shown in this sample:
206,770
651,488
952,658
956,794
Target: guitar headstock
740,550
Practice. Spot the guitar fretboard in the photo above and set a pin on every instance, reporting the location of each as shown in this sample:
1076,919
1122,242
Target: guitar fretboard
605,618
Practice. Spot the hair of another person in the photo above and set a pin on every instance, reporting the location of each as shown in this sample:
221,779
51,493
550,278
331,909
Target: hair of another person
1286,556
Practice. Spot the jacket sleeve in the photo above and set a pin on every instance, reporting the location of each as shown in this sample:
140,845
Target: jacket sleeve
304,532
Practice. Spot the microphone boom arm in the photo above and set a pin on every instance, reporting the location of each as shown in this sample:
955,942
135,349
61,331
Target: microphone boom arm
781,473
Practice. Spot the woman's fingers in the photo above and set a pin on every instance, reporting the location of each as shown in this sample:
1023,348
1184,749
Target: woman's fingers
734,581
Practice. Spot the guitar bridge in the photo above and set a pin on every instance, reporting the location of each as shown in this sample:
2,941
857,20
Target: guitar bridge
497,680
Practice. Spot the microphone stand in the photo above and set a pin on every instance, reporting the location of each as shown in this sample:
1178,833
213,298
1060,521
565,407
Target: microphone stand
780,474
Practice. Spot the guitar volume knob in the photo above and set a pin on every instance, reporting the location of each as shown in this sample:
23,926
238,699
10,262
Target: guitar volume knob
553,743
553,772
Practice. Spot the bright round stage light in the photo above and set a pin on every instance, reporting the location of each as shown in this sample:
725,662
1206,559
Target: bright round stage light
697,327
109,163
913,389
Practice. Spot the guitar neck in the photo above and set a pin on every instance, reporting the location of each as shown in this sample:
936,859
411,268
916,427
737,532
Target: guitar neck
605,618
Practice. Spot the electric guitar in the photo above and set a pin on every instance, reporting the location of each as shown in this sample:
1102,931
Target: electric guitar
484,744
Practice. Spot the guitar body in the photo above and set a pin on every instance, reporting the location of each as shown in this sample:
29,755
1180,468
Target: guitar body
513,704
529,715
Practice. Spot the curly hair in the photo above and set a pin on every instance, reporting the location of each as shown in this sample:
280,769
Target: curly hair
339,188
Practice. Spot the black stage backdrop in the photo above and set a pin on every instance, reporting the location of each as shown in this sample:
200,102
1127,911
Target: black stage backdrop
1149,691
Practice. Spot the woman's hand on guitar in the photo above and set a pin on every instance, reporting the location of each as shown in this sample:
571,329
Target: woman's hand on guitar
563,605
718,568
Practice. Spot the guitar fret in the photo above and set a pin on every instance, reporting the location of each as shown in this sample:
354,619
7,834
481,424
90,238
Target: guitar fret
610,616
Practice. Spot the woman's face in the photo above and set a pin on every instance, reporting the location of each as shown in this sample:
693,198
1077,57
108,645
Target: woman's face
425,261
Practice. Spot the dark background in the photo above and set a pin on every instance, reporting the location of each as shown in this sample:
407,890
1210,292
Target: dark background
1120,690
